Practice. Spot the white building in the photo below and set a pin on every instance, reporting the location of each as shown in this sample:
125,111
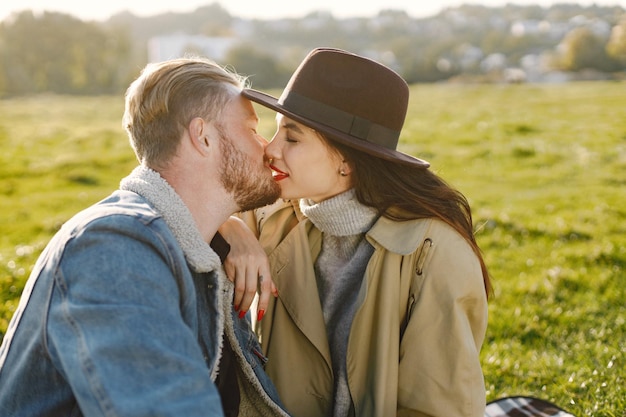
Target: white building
161,48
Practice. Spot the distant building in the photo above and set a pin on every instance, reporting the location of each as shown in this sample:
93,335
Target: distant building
161,48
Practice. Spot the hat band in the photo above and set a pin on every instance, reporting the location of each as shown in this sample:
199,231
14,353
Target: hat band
340,120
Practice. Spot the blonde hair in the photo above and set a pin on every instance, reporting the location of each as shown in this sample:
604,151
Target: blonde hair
162,101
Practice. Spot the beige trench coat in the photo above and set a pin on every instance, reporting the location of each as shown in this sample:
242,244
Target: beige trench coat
414,344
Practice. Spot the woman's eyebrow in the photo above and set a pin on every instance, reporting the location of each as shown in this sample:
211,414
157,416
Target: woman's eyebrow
292,126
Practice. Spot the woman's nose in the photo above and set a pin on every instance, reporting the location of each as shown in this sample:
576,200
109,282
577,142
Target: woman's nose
271,149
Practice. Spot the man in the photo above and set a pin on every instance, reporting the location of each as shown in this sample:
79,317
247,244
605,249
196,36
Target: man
128,311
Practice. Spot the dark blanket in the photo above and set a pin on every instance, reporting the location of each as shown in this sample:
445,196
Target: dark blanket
524,407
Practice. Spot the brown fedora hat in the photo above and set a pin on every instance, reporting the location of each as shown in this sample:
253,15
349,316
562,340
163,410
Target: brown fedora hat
351,99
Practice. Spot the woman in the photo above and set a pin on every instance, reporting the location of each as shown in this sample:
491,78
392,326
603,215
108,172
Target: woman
382,305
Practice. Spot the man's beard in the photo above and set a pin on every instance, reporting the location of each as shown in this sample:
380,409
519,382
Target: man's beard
250,189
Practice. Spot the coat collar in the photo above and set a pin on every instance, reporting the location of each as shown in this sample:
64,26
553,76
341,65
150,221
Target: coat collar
402,237
199,255
201,258
151,186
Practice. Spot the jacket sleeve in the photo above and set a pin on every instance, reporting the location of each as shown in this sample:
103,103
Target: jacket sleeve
121,328
440,373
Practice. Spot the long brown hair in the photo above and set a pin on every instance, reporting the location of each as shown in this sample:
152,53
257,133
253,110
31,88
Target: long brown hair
404,192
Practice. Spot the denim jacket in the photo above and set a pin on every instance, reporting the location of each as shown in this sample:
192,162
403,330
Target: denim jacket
125,314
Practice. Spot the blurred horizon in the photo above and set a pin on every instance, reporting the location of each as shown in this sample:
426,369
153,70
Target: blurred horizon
251,9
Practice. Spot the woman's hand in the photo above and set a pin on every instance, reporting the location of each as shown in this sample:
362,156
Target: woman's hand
248,267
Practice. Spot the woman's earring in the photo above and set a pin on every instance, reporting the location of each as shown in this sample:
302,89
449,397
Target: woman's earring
343,173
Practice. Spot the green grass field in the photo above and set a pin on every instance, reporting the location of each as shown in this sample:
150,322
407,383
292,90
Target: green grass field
544,167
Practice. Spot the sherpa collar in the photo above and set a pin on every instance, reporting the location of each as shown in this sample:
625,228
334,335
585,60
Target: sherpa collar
199,255
154,188
151,186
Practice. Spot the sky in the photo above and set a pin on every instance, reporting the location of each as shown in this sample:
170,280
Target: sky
261,9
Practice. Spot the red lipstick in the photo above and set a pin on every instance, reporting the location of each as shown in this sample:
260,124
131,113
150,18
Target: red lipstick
278,174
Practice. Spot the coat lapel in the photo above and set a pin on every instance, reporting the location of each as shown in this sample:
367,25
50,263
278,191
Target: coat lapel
292,271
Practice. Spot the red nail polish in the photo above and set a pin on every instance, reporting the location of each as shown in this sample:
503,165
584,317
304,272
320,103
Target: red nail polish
260,315
241,314
236,307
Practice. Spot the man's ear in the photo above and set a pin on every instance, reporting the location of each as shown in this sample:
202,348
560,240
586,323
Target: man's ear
199,132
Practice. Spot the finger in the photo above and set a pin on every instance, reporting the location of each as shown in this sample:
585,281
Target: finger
249,292
266,289
240,289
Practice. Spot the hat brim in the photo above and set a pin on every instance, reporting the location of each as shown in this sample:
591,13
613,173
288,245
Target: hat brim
341,137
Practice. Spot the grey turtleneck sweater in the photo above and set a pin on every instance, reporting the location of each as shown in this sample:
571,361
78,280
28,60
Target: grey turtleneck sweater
339,270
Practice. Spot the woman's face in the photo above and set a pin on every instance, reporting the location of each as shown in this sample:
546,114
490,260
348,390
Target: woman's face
303,165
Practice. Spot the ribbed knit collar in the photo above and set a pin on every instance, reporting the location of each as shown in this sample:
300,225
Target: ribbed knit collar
341,215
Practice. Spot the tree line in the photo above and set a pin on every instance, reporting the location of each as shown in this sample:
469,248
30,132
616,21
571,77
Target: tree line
58,53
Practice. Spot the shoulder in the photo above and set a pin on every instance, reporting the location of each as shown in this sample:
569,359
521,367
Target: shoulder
452,266
119,234
406,237
435,248
121,215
